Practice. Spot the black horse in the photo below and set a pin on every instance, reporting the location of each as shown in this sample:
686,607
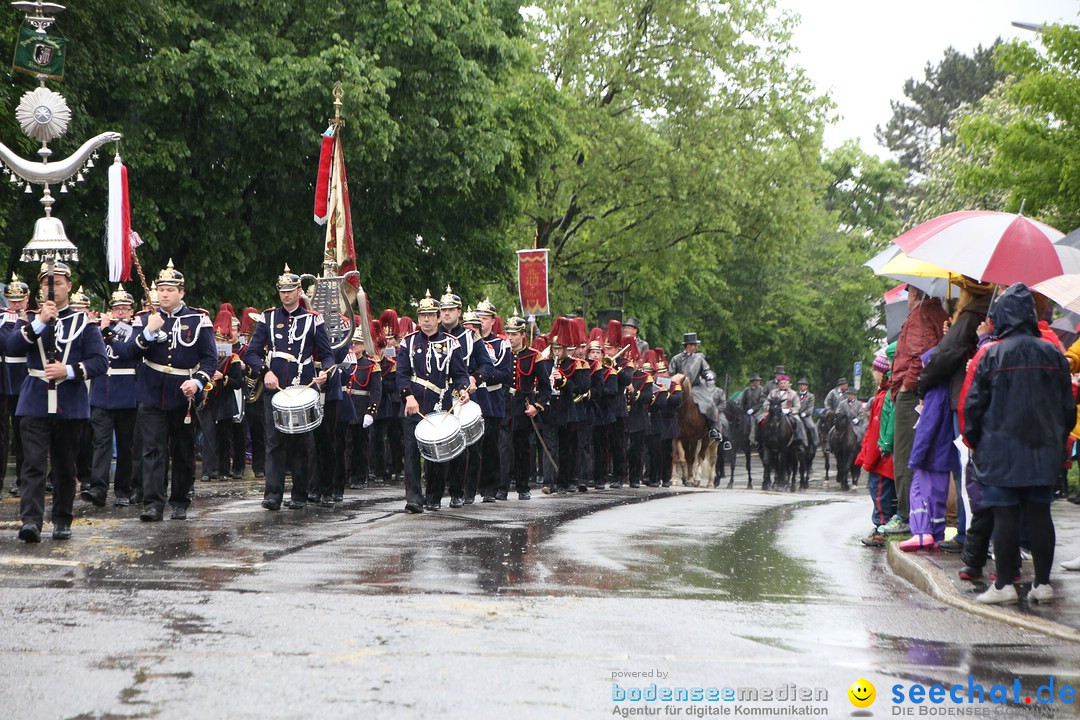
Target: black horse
739,435
843,443
805,457
778,446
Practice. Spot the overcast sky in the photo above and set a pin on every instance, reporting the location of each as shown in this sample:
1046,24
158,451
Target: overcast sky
862,51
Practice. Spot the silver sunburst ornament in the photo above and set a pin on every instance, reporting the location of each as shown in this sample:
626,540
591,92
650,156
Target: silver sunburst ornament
43,114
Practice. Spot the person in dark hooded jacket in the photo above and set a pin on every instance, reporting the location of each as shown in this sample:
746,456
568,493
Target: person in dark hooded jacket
1016,411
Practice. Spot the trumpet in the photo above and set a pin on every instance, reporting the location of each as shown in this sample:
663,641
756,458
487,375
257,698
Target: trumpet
610,361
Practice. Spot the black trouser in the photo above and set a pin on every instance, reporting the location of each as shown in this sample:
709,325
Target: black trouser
45,439
636,452
1041,538
475,465
977,541
105,423
231,436
549,459
585,454
5,434
655,447
359,445
506,456
84,459
452,472
385,441
414,492
341,456
612,446
284,450
165,436
665,460
491,473
568,454
254,418
324,472
211,446
519,442
11,429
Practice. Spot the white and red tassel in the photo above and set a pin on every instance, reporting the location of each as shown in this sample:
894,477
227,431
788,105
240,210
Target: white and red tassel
118,235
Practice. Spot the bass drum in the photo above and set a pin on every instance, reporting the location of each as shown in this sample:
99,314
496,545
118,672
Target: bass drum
472,421
297,410
439,438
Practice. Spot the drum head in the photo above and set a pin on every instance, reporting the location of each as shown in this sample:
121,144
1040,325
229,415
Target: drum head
437,427
295,397
468,412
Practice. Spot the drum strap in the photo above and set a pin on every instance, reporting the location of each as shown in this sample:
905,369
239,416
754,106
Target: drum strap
429,385
491,388
169,369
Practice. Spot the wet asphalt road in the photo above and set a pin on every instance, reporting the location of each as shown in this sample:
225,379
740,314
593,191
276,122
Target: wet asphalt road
519,609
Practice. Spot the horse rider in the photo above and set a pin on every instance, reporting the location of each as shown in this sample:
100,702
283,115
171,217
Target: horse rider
789,405
753,395
694,366
837,395
806,411
719,398
778,372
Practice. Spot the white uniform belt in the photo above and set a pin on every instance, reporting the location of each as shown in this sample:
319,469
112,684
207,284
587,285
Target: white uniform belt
8,359
287,356
120,371
34,372
169,369
359,392
429,385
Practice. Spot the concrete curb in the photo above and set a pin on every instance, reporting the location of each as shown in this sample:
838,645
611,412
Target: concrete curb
934,583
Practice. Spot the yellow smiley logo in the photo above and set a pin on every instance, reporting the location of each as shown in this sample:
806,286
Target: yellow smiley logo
862,693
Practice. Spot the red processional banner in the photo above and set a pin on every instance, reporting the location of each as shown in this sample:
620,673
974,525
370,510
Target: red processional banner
533,282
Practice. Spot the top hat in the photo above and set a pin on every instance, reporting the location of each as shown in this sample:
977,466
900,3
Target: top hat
755,376
631,322
689,338
803,381
842,381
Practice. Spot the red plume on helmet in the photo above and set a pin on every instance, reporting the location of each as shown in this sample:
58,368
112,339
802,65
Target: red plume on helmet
661,358
377,337
581,331
650,359
247,322
497,328
227,306
562,332
388,321
223,324
596,339
540,344
632,354
405,326
613,335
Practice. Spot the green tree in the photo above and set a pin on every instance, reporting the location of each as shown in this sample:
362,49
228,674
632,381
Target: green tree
921,122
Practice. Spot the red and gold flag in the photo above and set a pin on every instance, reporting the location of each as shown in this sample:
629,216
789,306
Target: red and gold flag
533,282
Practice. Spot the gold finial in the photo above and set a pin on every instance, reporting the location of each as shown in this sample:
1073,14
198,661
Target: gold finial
170,264
287,270
339,92
448,290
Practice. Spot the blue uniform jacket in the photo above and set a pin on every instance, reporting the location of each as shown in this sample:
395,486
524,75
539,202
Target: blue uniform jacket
117,389
14,371
332,387
431,369
73,340
290,341
188,351
364,384
390,403
491,394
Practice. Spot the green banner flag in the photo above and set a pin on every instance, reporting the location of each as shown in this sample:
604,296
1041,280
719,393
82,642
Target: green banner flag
39,54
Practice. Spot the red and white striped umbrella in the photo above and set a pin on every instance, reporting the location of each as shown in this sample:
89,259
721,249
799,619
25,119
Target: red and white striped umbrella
990,246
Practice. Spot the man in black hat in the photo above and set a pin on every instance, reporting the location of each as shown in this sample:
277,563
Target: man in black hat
631,329
753,395
63,349
837,395
693,365
779,372
806,411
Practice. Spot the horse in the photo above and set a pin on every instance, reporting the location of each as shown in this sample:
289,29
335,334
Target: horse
778,446
698,447
843,442
739,435
805,458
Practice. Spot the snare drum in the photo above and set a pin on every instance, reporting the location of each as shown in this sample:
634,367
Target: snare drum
472,421
297,410
438,435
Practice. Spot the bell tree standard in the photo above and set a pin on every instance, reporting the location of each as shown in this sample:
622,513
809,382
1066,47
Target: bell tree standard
44,115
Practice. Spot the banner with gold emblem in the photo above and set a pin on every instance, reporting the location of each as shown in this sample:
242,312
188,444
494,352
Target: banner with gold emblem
39,54
533,282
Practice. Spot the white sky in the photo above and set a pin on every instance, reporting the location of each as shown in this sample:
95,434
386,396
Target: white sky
862,51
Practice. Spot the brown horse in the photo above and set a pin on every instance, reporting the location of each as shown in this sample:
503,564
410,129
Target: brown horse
699,448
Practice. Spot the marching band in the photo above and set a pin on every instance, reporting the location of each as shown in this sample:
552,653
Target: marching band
460,404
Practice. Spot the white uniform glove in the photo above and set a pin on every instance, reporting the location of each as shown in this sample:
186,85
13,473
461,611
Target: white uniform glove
749,412
368,420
